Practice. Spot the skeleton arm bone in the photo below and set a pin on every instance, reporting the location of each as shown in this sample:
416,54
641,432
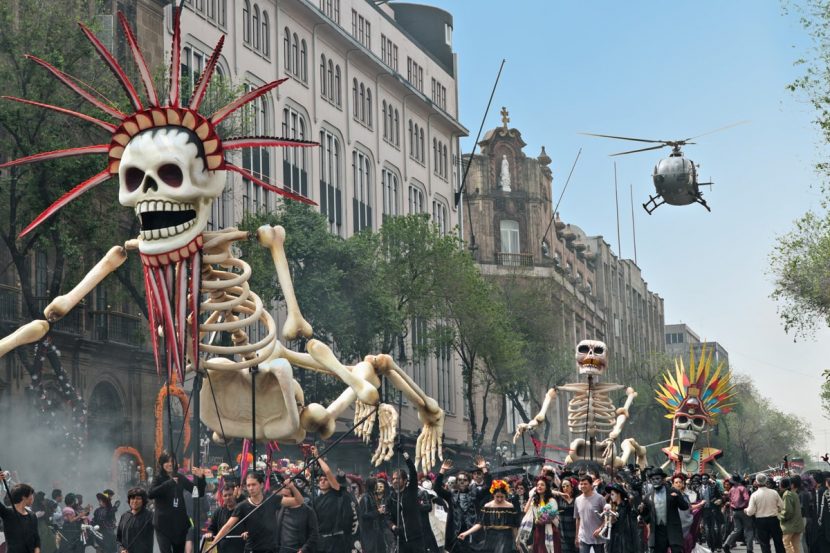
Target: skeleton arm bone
723,472
539,418
324,356
622,413
273,238
60,306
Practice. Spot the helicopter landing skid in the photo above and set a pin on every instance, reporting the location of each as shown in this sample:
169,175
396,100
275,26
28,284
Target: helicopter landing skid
702,202
653,203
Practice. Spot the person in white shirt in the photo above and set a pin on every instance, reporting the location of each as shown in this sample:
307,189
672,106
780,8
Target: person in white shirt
764,505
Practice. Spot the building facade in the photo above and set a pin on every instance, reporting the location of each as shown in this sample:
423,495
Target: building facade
513,232
680,339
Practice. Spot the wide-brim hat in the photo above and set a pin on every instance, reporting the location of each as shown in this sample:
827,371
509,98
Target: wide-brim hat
105,495
616,488
657,472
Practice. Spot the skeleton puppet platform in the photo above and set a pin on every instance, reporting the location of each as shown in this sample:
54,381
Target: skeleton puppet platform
591,412
694,399
171,166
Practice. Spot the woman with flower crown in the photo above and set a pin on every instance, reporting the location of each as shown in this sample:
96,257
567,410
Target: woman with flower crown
499,519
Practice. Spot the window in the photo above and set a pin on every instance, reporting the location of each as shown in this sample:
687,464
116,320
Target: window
331,200
397,129
440,166
337,96
294,160
192,65
330,80
509,236
361,29
418,327
246,22
416,142
390,184
219,211
440,216
443,377
302,71
324,92
385,121
362,201
361,103
388,52
391,125
332,9
286,50
416,200
266,37
216,10
256,160
421,148
255,28
414,74
439,94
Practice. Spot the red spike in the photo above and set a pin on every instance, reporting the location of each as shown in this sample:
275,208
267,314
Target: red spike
109,127
65,199
222,113
176,59
143,70
265,185
195,300
151,317
57,154
265,141
207,74
114,66
65,79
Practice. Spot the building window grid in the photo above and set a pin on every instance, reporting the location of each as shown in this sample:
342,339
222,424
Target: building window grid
295,55
419,358
362,29
330,81
256,161
332,9
391,186
331,201
294,160
440,216
416,200
440,159
362,200
414,74
361,103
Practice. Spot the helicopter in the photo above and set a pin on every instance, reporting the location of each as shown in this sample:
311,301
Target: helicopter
675,177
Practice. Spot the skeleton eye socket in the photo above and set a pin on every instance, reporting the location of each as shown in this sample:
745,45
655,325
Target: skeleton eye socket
698,422
171,175
583,349
599,350
682,420
133,178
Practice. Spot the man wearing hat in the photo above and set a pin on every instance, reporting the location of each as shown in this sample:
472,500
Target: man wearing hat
661,511
739,501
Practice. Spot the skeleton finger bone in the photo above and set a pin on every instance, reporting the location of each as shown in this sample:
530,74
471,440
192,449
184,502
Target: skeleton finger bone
295,325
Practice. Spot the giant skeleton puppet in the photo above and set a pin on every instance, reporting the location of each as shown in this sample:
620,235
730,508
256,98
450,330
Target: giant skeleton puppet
171,166
694,399
591,412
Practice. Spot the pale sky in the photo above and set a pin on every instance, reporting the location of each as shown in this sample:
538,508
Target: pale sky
668,70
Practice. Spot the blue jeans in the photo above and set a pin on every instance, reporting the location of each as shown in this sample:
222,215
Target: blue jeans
586,547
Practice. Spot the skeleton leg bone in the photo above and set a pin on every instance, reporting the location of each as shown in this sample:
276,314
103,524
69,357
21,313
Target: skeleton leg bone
630,447
539,418
324,356
273,238
60,306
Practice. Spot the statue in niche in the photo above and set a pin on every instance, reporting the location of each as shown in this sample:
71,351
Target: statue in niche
504,178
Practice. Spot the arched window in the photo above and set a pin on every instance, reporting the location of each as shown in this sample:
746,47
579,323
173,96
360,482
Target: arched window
256,160
330,79
422,150
337,99
362,115
294,160
369,107
246,21
286,50
323,83
355,100
397,128
331,184
446,163
303,69
415,150
295,53
435,163
509,231
385,121
255,27
266,34
411,141
362,200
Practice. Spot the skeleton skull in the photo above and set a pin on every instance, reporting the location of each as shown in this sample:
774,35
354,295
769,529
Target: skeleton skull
689,421
163,176
591,357
223,469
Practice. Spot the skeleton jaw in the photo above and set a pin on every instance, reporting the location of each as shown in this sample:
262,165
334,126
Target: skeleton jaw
589,367
167,225
687,440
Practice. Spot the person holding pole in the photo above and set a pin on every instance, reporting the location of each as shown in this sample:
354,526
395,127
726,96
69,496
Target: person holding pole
19,524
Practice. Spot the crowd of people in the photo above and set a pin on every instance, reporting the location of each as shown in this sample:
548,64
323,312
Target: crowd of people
457,511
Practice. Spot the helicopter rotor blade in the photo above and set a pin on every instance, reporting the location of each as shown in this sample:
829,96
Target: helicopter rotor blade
622,137
716,130
640,150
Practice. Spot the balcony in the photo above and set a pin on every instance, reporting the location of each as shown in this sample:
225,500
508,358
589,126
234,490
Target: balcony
514,259
72,323
119,328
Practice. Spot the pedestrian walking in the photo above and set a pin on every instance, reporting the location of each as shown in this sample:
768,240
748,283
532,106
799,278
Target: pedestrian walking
765,505
792,523
135,529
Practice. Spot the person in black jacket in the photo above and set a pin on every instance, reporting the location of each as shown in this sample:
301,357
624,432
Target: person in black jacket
236,544
297,529
170,518
19,524
403,509
465,502
135,529
660,510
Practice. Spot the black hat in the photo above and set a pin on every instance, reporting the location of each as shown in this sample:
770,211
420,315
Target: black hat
105,495
657,471
735,479
616,488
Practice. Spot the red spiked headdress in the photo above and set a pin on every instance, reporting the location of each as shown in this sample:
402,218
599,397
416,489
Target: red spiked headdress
172,113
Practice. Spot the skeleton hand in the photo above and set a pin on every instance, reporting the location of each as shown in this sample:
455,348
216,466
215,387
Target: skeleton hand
364,429
428,448
387,420
524,427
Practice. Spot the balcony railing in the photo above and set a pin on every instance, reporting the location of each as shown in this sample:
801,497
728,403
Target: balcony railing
514,259
9,303
72,323
121,328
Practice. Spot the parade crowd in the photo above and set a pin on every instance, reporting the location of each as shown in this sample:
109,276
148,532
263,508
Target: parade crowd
317,510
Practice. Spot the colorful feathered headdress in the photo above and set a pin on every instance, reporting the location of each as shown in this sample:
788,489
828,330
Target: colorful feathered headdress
701,392
154,113
500,486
